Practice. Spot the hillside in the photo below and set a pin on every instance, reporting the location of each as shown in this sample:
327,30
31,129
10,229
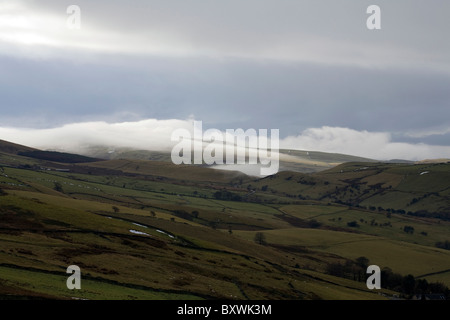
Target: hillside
12,148
143,244
55,156
290,160
416,189
152,230
8,148
165,169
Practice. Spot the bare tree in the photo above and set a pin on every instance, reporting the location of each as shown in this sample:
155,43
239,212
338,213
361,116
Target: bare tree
260,238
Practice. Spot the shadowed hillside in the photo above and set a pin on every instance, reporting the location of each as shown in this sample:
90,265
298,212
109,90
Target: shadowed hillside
12,148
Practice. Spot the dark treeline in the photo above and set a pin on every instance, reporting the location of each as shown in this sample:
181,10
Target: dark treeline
407,285
443,244
227,195
183,214
419,213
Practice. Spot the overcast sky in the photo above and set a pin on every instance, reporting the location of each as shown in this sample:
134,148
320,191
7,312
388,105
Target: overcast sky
139,69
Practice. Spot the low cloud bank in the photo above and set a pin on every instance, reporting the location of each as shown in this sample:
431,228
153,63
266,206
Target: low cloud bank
154,134
150,134
374,145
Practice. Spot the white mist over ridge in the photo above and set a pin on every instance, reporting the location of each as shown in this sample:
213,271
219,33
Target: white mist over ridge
374,145
150,134
155,135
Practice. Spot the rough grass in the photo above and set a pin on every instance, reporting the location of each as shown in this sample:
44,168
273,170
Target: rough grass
426,231
54,286
88,223
169,170
402,257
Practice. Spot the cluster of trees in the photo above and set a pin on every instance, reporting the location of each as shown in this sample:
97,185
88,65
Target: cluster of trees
425,213
373,222
313,223
227,195
306,182
408,229
415,200
407,285
184,214
389,211
443,244
58,187
355,270
353,224
419,213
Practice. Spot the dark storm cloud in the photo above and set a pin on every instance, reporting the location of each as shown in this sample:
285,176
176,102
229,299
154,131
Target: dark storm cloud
291,96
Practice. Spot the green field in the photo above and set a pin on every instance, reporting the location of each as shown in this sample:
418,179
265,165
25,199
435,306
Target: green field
148,230
403,257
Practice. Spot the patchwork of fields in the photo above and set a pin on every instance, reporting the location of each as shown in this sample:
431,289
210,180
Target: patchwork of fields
149,230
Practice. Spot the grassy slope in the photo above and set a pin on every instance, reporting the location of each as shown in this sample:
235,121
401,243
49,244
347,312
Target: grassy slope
390,186
13,148
404,257
168,170
217,265
42,231
290,160
41,234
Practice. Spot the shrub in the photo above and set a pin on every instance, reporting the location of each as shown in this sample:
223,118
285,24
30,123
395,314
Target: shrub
182,214
227,195
443,244
58,187
408,229
353,224
314,224
260,238
195,214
